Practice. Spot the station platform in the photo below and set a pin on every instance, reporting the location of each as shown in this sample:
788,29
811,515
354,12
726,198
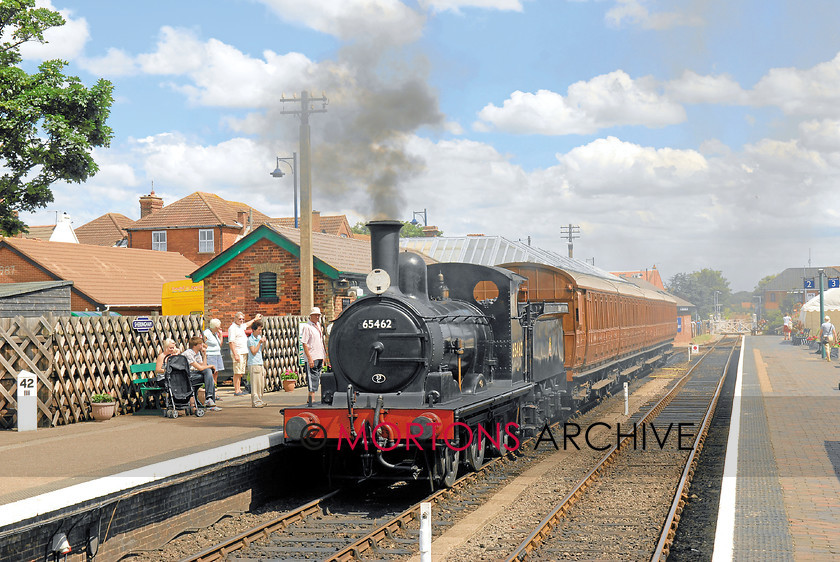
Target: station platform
780,498
46,468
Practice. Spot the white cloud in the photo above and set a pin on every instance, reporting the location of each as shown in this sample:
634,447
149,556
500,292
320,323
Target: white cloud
367,20
608,100
65,42
116,62
456,5
695,88
626,13
814,91
221,75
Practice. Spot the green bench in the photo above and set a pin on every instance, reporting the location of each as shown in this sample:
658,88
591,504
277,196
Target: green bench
147,384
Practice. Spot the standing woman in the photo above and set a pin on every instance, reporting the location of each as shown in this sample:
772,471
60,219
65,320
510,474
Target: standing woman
213,339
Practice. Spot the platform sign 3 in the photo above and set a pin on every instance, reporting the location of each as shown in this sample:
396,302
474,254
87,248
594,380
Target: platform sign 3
833,282
27,401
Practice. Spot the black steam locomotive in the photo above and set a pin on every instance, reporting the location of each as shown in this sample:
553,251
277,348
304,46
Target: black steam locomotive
441,364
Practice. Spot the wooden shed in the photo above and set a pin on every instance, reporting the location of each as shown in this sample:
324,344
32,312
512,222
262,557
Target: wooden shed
35,298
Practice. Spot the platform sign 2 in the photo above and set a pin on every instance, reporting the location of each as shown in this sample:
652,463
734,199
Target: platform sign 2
27,401
809,283
833,282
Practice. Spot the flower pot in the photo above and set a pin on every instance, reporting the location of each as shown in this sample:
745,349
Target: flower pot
103,411
288,385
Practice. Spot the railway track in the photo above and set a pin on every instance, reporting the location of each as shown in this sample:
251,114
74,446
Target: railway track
326,530
617,510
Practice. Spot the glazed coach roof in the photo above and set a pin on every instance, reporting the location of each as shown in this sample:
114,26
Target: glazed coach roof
496,250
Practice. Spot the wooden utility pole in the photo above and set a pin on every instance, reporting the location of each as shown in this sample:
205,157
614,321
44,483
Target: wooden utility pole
307,296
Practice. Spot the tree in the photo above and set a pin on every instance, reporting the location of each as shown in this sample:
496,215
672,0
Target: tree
699,289
49,122
408,230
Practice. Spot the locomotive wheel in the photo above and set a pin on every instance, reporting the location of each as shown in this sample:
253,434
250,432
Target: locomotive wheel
474,454
446,466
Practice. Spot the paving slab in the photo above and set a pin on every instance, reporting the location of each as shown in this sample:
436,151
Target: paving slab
50,459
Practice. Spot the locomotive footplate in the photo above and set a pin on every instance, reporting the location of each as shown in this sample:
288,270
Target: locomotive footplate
331,422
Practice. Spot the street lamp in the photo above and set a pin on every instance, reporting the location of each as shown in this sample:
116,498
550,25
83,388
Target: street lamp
278,173
422,214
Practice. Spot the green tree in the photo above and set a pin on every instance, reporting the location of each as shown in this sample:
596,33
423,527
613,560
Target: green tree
49,122
408,230
699,288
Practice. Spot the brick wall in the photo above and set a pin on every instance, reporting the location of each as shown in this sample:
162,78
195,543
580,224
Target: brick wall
147,517
185,242
235,286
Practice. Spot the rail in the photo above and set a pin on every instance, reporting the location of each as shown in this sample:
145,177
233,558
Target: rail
545,526
669,528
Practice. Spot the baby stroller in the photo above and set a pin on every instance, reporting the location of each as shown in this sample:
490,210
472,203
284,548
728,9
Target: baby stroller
178,389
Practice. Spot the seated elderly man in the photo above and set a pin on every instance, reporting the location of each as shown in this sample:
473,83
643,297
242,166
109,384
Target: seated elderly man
201,372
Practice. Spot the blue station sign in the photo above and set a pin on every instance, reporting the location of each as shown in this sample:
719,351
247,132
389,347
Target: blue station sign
142,324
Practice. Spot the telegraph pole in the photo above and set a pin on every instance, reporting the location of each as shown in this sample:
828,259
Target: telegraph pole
307,297
570,231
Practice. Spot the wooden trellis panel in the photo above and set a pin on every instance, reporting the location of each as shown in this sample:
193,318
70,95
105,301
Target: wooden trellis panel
280,351
75,358
25,344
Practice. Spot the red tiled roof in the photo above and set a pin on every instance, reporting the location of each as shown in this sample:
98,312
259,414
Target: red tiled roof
344,254
330,224
111,276
199,209
39,232
347,255
106,230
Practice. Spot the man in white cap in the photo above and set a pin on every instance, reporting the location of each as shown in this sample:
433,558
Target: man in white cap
828,337
312,339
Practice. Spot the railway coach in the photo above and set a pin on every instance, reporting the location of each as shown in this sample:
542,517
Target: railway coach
443,363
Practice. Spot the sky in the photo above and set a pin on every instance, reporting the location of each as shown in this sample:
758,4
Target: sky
680,134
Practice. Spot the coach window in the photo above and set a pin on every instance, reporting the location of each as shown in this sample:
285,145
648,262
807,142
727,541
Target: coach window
205,241
268,287
159,240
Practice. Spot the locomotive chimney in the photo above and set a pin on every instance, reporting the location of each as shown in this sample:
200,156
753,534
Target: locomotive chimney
385,248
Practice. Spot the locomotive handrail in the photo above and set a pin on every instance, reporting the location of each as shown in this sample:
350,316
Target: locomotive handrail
455,317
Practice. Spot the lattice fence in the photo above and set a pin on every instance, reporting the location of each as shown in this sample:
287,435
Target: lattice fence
25,344
75,358
280,351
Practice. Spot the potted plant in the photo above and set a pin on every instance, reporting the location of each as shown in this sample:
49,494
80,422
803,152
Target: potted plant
289,379
102,406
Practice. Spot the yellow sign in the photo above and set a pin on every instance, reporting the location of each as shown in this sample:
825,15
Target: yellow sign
182,297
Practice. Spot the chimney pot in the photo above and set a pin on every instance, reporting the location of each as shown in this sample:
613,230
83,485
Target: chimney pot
149,204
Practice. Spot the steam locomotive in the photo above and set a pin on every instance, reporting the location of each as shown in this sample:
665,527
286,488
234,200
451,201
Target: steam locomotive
445,363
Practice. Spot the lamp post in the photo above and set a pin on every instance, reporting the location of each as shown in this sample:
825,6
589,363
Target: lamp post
422,214
822,312
278,173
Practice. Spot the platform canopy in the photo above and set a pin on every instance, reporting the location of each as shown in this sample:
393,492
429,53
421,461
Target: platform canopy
810,313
